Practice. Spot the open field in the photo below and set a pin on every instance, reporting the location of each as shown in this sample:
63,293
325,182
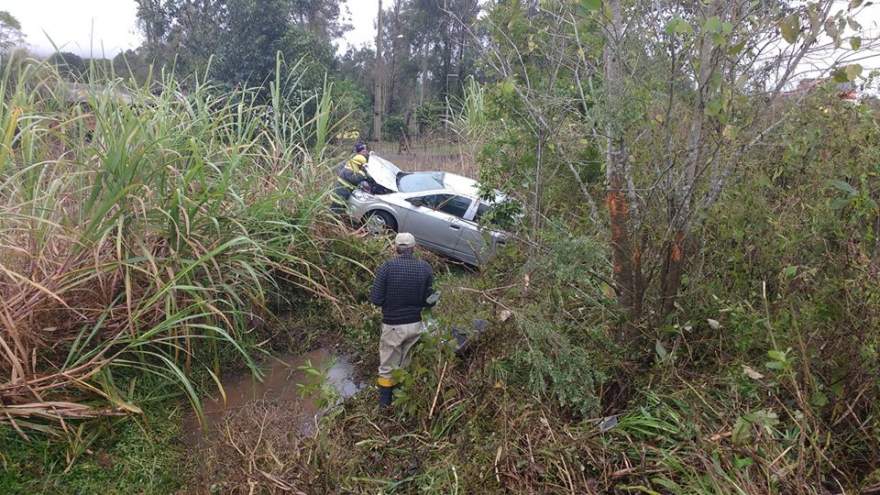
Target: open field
430,155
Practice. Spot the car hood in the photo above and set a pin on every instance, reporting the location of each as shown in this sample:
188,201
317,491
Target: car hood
383,172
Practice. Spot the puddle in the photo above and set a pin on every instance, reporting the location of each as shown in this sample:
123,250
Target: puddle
282,387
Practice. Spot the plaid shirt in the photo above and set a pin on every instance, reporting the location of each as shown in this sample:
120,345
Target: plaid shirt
401,288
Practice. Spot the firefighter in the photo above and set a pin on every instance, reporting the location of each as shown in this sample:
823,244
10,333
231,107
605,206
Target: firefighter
349,176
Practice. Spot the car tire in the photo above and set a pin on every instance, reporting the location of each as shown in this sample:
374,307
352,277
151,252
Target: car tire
379,222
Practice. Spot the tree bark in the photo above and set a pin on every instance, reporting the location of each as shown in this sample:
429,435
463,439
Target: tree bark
393,96
539,184
626,255
673,268
423,72
680,215
378,100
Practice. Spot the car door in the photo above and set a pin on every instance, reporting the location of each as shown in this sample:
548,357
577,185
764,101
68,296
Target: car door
436,221
472,241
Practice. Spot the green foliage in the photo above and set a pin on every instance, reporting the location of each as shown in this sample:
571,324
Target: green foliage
249,36
236,43
534,123
393,127
68,64
317,387
795,245
791,27
553,366
352,105
775,329
423,374
763,379
115,456
430,115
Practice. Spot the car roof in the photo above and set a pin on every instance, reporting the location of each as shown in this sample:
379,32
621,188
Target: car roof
461,185
456,184
451,183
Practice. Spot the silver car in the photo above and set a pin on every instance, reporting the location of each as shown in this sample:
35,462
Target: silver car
442,210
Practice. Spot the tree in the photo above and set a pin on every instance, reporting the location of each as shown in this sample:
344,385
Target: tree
700,85
132,63
322,18
378,80
10,32
182,33
538,124
425,55
249,37
153,21
68,64
240,38
672,92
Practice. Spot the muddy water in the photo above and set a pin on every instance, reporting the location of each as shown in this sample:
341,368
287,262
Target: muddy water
281,385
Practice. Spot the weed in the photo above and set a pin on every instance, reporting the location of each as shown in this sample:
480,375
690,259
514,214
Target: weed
108,455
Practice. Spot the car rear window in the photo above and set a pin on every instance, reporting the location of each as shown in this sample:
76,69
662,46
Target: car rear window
420,181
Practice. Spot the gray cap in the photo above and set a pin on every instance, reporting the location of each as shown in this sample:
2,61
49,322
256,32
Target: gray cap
405,240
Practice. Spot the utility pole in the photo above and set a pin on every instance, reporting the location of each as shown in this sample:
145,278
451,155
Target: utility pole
378,87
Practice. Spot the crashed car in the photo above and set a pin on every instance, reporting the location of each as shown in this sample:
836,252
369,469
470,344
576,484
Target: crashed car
442,210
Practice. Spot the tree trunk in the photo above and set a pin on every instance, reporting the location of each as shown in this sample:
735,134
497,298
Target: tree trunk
378,100
683,193
626,255
393,97
539,185
423,73
673,268
447,62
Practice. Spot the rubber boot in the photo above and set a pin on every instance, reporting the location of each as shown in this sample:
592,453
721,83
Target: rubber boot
385,396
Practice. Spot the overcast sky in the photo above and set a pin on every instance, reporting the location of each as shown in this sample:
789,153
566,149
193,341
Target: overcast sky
105,27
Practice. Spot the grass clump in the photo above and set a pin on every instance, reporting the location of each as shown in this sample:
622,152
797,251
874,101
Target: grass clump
141,454
144,229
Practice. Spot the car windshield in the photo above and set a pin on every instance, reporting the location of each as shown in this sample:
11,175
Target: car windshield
419,181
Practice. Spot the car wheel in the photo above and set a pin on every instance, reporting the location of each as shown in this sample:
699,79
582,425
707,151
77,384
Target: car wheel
380,222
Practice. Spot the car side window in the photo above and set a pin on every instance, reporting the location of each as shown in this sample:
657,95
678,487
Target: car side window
456,206
430,201
482,209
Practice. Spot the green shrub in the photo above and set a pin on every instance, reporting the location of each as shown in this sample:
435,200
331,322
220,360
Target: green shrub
393,127
554,367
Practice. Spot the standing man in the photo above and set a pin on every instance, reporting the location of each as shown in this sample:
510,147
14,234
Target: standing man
350,174
403,288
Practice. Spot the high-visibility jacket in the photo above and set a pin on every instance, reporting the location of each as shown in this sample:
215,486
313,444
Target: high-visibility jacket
353,172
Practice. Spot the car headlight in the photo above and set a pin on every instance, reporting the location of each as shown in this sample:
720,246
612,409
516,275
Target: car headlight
357,194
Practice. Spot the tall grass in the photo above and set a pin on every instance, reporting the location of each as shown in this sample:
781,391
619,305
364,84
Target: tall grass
140,227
